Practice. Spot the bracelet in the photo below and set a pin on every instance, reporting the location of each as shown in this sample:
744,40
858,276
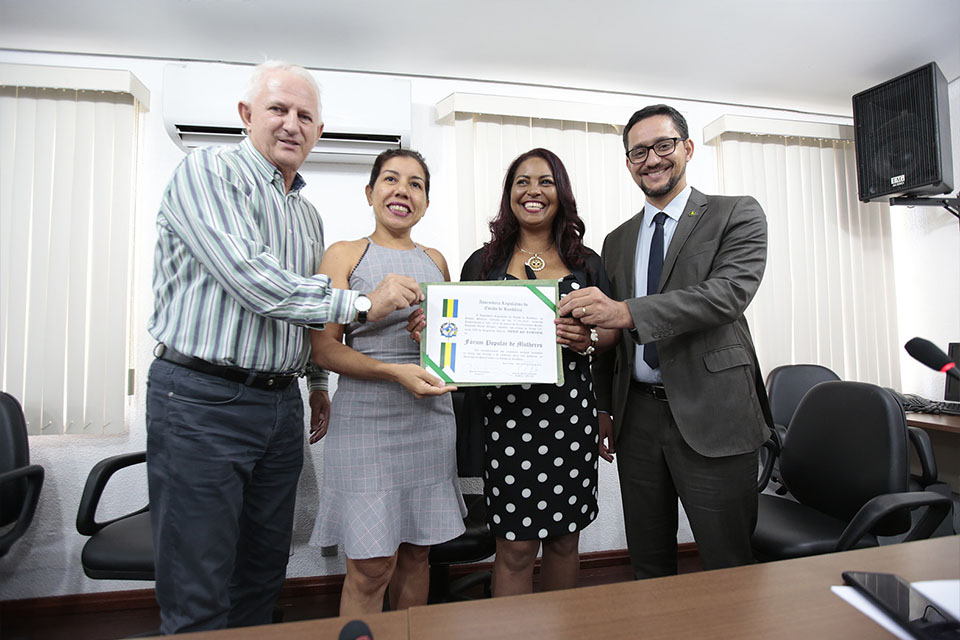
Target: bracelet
594,339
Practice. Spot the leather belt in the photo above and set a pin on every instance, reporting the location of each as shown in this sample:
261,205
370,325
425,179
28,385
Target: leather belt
257,380
655,391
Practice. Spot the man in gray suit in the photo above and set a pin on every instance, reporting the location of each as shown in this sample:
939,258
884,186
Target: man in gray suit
683,385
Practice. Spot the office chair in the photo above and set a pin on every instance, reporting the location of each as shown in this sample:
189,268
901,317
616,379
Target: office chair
477,543
20,481
121,548
928,478
845,459
786,386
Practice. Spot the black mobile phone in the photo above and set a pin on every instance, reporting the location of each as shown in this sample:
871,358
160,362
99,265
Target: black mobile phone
916,614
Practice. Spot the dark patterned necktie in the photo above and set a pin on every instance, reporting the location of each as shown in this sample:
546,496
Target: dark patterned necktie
654,269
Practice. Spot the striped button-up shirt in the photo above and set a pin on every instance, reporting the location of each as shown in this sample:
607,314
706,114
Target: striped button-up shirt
234,268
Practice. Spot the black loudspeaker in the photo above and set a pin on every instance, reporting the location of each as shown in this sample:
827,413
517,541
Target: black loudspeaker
902,135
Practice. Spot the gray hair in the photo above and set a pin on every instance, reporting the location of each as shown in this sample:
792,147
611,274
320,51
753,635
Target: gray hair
254,84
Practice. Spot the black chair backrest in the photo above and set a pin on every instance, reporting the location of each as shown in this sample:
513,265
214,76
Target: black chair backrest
846,444
14,454
786,386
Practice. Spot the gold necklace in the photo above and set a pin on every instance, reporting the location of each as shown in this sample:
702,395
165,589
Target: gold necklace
535,261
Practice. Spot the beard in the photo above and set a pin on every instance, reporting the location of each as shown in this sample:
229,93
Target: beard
659,192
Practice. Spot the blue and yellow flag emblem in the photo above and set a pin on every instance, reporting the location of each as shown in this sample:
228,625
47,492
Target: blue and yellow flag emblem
448,355
448,330
450,307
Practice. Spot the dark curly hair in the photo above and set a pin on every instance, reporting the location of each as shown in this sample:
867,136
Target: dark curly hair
399,153
568,228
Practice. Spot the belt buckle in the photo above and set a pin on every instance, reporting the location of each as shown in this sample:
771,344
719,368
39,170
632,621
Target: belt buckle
659,393
278,381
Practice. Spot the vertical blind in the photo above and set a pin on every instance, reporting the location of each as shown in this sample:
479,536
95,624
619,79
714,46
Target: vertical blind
591,152
67,179
828,294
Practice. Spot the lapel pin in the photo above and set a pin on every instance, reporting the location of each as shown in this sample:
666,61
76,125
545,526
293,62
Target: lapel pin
692,213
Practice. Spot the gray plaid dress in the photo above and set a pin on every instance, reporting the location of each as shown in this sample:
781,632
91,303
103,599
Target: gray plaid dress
389,459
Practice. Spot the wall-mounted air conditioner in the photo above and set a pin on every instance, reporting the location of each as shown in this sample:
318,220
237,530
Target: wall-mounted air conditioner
362,115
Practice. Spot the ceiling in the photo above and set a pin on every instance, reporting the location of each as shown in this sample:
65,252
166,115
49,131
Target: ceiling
808,55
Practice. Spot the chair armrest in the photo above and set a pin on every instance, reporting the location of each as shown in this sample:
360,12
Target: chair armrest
928,462
772,445
780,433
33,474
87,524
877,508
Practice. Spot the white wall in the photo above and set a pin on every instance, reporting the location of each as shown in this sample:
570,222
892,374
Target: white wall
46,561
926,247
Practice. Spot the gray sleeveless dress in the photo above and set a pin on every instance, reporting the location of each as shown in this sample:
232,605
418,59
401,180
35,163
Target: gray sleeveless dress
389,459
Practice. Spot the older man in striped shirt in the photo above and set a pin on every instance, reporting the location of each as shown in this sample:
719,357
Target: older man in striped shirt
235,296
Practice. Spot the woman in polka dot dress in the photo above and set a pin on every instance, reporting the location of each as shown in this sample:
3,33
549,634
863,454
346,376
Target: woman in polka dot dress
541,444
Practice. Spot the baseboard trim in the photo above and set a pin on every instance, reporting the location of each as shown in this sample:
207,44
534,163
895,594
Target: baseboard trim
293,588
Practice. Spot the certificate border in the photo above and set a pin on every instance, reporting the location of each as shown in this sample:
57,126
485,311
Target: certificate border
429,365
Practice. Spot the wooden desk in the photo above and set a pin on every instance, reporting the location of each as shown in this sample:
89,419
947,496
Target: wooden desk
788,599
384,626
934,422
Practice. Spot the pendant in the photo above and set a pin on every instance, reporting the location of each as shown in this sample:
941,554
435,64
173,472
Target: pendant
536,263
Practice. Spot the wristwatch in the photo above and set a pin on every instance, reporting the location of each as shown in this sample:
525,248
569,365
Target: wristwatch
594,339
362,304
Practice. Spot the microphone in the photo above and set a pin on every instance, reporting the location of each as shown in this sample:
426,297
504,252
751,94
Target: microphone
355,630
930,354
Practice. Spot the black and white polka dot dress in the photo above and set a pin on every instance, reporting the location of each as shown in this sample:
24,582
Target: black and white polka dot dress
541,443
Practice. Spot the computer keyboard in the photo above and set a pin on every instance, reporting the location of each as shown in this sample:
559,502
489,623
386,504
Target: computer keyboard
919,404
949,407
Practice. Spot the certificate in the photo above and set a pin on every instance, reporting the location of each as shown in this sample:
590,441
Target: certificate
482,333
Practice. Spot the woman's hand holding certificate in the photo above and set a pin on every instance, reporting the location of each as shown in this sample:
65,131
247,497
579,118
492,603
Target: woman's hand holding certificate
481,333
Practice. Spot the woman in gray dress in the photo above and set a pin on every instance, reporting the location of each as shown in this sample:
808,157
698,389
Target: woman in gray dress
390,487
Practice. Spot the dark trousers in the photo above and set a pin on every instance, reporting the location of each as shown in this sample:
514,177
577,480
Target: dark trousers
656,466
223,461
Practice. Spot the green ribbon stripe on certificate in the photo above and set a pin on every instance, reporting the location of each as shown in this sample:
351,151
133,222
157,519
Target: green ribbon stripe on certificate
437,370
547,301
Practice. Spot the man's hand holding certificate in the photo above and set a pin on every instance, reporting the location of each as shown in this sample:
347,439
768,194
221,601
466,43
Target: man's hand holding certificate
481,333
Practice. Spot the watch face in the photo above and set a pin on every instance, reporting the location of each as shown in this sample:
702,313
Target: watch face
362,304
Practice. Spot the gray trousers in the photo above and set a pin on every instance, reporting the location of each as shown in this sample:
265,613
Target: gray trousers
223,461
656,466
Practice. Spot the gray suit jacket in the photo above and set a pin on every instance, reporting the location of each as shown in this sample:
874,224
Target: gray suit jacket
711,271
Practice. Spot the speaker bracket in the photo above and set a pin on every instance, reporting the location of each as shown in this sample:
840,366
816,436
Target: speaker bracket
950,204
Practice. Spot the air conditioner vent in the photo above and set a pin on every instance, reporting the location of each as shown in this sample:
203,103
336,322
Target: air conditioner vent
200,109
350,148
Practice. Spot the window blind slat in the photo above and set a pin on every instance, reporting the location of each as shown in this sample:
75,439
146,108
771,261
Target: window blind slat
54,321
7,154
118,272
40,258
18,248
80,278
98,300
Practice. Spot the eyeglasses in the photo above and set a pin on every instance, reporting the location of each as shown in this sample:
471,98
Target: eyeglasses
662,148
